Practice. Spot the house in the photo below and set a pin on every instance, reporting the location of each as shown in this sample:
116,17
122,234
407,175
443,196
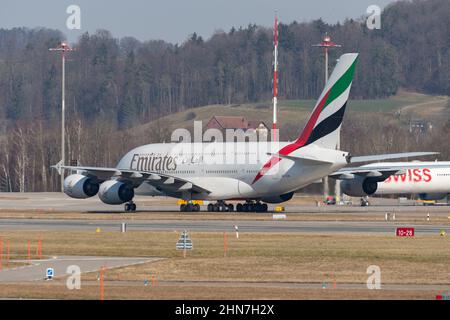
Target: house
420,126
224,123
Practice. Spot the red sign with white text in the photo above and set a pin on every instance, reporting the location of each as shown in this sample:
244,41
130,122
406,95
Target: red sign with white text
411,175
405,232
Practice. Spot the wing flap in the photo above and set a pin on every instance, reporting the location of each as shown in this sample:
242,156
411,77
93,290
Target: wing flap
350,173
379,157
304,159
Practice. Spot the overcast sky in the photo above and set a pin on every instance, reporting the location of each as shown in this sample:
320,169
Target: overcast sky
174,20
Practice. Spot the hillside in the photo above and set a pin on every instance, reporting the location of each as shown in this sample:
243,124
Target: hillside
293,113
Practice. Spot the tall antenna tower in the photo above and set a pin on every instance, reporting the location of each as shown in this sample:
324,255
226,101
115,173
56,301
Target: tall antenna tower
327,44
63,48
275,78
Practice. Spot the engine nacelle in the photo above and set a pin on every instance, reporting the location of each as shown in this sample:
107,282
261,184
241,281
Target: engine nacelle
115,192
279,199
80,187
359,186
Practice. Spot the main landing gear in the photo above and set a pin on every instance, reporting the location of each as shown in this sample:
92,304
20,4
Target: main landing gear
130,207
220,206
248,206
189,207
251,206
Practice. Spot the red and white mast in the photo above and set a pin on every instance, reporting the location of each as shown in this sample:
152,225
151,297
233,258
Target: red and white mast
275,78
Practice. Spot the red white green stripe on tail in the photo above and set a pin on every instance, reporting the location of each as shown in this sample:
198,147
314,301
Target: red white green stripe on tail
325,121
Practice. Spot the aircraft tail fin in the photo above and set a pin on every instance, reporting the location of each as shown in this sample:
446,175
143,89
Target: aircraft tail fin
324,124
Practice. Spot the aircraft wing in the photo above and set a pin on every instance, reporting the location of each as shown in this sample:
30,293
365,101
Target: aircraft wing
164,182
379,172
379,157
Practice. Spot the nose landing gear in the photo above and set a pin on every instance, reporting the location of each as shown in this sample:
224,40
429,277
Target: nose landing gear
130,207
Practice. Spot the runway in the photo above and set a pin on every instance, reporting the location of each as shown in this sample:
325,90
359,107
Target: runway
279,284
217,225
59,202
169,219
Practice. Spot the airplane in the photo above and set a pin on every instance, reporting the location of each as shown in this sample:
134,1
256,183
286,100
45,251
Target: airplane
270,171
430,179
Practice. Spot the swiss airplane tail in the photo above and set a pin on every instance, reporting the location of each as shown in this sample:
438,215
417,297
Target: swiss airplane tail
324,124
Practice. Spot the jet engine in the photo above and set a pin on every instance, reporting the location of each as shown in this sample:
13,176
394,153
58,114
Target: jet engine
279,199
360,186
80,187
115,192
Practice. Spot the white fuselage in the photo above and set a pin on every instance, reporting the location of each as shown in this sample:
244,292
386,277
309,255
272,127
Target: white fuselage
420,177
228,170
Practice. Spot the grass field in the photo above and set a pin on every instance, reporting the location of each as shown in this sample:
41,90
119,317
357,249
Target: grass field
296,111
401,100
172,292
254,257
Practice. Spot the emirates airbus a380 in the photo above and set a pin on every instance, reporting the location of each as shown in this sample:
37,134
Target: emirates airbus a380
254,172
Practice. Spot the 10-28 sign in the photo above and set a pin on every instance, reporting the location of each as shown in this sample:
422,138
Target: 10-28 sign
405,232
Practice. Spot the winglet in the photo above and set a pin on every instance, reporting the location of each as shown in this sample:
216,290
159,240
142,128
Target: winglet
58,167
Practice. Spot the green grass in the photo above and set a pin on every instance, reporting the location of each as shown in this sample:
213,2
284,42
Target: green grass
370,105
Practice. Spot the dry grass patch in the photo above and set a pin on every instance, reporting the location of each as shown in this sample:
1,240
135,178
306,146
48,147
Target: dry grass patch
294,257
57,290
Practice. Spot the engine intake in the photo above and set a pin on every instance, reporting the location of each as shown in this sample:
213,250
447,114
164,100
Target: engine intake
360,186
80,187
115,192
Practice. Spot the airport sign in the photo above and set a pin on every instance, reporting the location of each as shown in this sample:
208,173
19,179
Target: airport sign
405,232
184,243
49,273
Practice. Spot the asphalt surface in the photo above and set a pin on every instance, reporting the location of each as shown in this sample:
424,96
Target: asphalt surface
280,284
36,270
59,202
217,225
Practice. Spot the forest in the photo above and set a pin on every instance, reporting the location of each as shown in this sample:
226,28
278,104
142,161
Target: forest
115,84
